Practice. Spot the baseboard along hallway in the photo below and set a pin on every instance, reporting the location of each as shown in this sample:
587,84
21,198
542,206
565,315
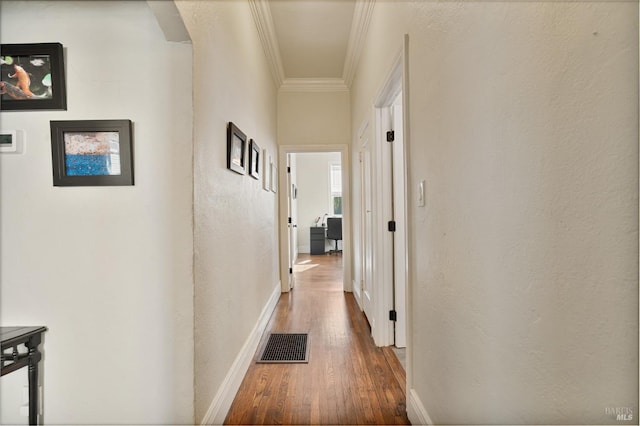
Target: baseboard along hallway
348,380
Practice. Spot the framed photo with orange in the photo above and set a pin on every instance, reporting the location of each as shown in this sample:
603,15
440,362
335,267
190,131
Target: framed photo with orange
32,77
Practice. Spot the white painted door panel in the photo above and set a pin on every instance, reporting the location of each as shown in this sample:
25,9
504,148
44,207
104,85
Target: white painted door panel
368,297
399,214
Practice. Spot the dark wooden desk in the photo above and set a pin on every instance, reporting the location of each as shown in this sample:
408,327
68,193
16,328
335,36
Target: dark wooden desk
12,339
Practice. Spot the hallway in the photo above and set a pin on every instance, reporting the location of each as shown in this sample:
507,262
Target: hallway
347,380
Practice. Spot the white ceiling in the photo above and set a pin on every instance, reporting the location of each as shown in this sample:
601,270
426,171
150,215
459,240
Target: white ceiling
312,44
313,36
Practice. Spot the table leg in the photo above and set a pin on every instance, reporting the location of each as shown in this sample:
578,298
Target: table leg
34,359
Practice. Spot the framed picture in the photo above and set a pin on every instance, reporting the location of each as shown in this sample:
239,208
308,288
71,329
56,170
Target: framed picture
266,182
254,159
32,77
236,149
92,153
8,141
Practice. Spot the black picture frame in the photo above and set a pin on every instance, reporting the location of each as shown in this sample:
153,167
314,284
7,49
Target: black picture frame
236,149
38,68
92,152
254,159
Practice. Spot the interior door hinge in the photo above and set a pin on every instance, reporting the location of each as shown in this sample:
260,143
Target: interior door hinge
391,136
393,315
288,169
392,226
291,270
289,220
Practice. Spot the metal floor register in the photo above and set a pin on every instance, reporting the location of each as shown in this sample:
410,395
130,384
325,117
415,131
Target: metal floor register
286,348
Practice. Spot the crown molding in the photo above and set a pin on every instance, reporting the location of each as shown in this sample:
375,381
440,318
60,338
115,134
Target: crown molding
261,13
359,28
314,85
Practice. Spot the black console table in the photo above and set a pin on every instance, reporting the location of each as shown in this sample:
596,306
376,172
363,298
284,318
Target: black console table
12,339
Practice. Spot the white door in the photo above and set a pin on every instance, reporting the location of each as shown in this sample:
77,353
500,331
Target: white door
399,214
291,234
366,221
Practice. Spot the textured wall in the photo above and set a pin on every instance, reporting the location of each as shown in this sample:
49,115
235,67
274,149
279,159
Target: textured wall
107,269
236,249
313,118
524,263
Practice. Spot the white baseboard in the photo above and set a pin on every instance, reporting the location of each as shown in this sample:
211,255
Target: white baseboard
357,294
221,403
415,410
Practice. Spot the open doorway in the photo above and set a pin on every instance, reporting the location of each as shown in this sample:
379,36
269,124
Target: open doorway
316,200
314,196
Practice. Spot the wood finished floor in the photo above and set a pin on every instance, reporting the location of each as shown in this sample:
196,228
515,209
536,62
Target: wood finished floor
348,380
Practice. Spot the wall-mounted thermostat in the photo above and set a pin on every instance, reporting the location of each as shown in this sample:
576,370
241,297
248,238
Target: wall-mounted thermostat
12,141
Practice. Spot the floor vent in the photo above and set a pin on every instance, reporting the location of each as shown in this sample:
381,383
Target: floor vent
286,348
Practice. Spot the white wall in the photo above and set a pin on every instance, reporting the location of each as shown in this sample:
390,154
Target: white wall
524,263
107,269
314,118
236,241
313,194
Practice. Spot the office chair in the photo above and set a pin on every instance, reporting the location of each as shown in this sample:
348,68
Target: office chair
334,231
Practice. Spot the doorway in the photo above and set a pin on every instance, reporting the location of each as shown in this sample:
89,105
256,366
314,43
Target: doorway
382,249
305,205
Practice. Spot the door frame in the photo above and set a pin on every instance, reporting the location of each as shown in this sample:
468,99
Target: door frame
395,81
283,151
292,253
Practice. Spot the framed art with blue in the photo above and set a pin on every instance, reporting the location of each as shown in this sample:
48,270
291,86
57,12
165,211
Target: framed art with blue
92,153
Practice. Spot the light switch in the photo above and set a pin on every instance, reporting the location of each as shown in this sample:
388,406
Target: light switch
421,194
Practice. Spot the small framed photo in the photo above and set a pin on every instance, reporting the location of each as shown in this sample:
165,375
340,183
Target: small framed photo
8,141
92,153
266,182
254,159
236,149
32,77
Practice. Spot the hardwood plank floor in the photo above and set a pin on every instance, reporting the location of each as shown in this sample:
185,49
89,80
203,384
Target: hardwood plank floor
347,381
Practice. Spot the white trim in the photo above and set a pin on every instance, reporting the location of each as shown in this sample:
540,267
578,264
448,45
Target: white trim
415,410
357,295
395,81
359,28
407,139
381,327
261,13
314,85
221,403
263,19
392,81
